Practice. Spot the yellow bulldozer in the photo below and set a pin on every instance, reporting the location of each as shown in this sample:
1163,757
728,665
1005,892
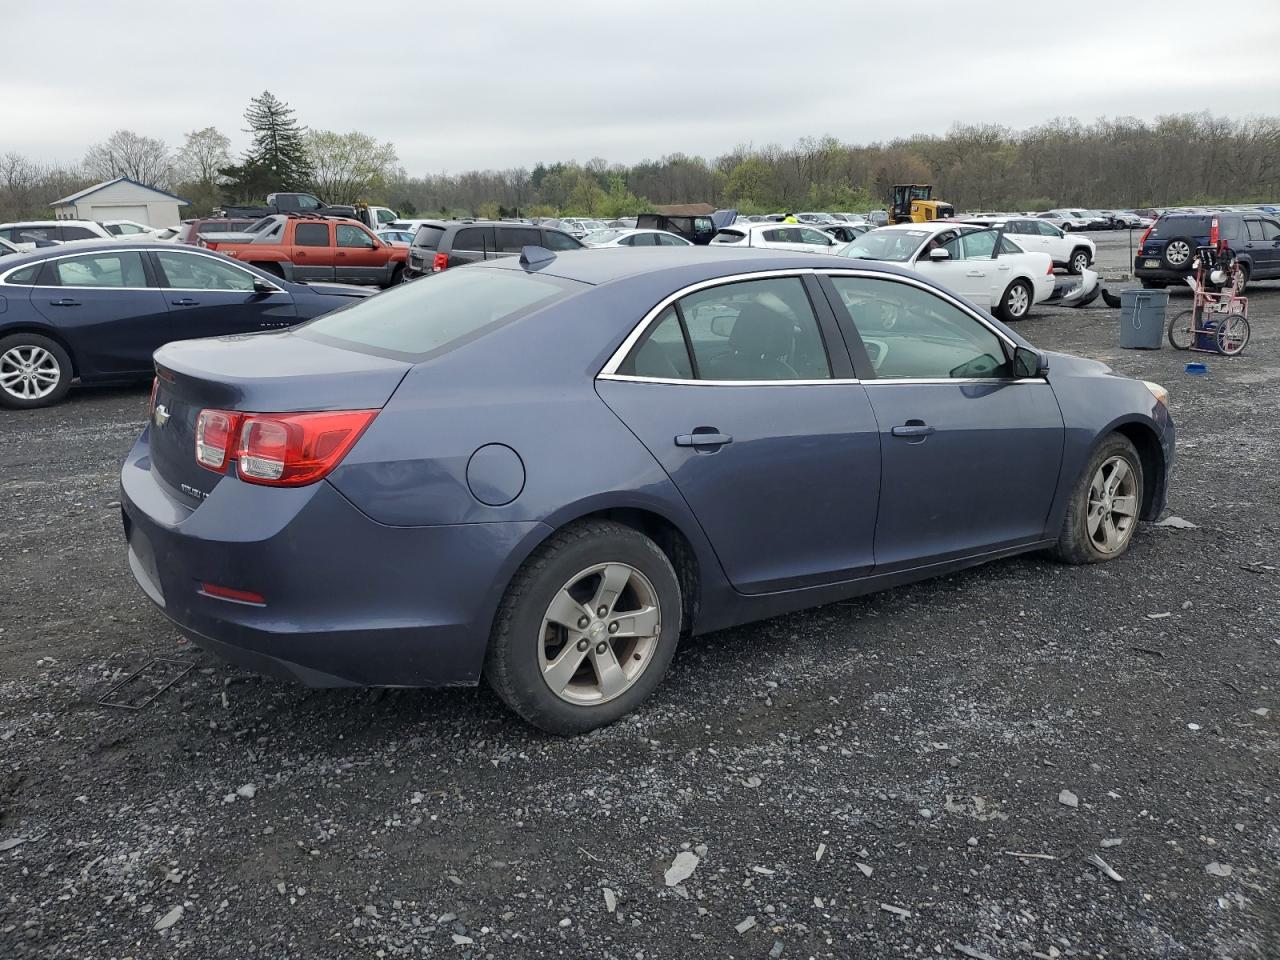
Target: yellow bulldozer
914,203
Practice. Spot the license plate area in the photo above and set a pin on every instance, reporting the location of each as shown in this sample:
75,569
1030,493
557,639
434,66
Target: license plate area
1151,263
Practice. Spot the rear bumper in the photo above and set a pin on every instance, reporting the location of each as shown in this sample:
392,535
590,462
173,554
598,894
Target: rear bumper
349,602
1162,272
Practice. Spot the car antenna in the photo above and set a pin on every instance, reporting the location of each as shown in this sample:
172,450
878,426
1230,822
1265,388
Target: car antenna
535,256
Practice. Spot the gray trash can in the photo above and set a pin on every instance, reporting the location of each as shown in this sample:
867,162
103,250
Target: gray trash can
1142,318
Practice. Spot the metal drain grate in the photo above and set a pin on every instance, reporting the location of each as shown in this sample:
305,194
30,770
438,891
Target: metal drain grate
145,684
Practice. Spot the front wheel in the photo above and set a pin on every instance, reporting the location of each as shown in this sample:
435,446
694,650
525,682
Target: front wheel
1103,511
1079,262
34,371
587,628
1016,302
1182,330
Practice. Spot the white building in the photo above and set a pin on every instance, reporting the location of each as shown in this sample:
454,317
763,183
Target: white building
121,199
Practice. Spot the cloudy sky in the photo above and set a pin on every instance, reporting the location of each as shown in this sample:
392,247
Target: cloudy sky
458,86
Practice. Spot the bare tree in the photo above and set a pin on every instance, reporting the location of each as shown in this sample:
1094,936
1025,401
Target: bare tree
129,154
202,155
345,167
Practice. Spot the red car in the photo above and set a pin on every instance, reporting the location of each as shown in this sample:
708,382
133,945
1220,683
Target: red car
315,248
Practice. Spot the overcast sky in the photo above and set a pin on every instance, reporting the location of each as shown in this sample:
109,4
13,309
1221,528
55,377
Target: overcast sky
458,86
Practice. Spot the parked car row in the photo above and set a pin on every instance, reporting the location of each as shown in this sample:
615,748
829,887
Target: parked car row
1167,250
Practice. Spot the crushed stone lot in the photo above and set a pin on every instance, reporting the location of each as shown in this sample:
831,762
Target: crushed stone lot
1022,760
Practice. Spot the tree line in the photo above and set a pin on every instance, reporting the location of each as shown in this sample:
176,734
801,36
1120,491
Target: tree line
1122,162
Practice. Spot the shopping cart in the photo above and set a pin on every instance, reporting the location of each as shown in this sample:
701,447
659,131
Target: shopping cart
1218,321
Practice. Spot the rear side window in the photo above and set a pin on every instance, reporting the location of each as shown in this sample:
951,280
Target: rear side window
77,233
663,355
428,238
311,235
555,240
515,239
1255,229
24,277
439,311
102,270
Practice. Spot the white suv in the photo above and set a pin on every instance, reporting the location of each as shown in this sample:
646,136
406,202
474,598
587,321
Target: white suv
1074,252
26,233
776,236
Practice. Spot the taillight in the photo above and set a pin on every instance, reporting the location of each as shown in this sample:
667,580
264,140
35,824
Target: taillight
1213,232
1049,272
155,388
440,262
278,449
1146,233
293,449
216,432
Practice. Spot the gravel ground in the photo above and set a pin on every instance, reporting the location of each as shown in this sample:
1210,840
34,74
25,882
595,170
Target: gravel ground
924,772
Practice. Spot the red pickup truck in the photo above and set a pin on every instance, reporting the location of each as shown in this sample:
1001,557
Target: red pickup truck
314,248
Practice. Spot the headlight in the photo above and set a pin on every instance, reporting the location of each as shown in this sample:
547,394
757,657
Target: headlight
1157,391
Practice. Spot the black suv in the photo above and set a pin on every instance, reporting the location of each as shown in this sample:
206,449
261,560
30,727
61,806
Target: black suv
440,244
1166,251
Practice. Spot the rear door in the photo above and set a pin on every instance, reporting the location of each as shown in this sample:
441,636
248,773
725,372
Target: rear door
771,441
312,251
972,280
358,256
208,297
1271,246
108,308
511,240
970,453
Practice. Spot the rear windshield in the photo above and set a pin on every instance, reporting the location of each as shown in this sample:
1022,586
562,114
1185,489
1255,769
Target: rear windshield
428,238
438,311
729,236
1181,226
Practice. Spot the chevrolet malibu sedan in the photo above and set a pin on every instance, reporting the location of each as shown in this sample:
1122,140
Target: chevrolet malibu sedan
96,312
544,470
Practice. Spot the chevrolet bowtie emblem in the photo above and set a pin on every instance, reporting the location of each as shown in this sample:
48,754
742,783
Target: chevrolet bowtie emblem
161,415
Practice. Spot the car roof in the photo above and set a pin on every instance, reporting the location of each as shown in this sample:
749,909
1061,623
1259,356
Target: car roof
600,266
932,226
80,247
48,223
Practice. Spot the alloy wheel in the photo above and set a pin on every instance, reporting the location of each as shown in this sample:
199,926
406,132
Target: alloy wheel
1113,505
29,372
1080,262
1177,253
599,634
1018,301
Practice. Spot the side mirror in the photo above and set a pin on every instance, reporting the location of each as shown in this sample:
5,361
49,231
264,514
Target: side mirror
938,253
263,286
1029,363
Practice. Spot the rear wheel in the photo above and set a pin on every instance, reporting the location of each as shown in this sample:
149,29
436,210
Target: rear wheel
1182,329
1232,334
587,628
1016,302
1103,511
1079,261
1239,279
34,371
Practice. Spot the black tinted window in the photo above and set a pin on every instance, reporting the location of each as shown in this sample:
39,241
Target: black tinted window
475,239
555,240
514,239
311,235
1169,227
1254,229
428,238
662,354
24,277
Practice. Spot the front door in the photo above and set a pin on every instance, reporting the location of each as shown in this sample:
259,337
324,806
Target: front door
208,297
359,258
970,454
105,303
772,444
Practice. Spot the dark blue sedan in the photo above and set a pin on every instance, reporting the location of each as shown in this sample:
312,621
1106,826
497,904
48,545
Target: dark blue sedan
544,470
97,311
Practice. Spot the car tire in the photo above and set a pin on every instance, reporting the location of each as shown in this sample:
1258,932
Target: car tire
569,572
34,371
1239,280
1085,536
1016,302
1079,261
1178,253
397,275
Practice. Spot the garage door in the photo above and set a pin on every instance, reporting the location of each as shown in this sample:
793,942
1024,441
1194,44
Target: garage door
122,213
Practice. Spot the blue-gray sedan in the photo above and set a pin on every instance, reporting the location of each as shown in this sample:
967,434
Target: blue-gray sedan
546,469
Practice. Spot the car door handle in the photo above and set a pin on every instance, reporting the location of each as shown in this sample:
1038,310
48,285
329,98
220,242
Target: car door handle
184,302
976,273
913,428
64,302
703,439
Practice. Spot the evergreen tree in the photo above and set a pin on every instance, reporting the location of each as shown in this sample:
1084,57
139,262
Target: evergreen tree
278,146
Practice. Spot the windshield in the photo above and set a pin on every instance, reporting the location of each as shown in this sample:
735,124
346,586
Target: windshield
438,310
895,245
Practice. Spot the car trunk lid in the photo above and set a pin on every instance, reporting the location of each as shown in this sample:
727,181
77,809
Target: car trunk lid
258,373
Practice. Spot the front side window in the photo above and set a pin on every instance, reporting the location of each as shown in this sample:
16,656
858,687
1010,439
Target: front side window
670,240
644,240
1048,229
308,203
1270,230
349,236
816,237
911,333
752,330
102,270
555,240
311,235
191,271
